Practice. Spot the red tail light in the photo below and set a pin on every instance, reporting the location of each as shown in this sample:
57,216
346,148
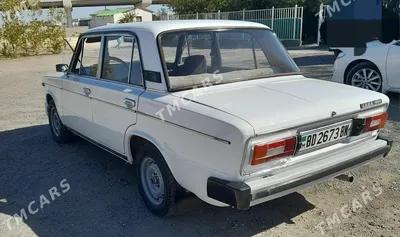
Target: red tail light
376,122
271,151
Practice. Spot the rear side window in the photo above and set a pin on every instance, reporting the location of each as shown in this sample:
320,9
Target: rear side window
136,71
117,58
121,60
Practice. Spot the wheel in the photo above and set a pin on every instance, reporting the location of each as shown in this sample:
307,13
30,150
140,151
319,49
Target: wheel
60,133
365,75
157,185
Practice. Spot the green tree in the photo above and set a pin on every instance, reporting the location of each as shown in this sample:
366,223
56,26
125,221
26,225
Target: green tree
161,14
193,6
55,34
127,18
312,5
24,33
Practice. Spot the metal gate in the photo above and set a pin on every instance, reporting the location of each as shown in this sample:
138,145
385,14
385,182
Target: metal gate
286,22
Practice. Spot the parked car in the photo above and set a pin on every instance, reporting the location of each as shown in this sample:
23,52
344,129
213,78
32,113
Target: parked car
214,107
377,69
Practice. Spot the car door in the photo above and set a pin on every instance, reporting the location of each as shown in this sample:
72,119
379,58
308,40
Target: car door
115,96
76,102
393,65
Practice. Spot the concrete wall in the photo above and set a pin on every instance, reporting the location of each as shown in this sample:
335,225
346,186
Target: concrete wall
104,20
146,16
117,17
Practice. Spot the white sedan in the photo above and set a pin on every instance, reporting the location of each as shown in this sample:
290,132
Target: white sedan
378,69
217,108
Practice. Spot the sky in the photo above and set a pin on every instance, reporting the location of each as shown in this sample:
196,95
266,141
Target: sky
84,12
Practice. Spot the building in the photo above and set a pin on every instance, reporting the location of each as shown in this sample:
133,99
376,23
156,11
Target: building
81,22
107,16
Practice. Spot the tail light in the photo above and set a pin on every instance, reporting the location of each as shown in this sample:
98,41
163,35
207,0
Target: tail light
375,122
271,151
369,124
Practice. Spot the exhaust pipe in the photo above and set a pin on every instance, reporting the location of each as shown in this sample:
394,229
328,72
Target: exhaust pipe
345,177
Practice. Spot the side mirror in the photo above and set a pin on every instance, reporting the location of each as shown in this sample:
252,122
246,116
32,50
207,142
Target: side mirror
61,67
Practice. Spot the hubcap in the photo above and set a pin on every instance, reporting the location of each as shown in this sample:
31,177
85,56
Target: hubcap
55,122
152,181
367,78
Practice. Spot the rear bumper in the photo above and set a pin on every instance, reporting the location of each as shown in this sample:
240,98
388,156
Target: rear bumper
242,195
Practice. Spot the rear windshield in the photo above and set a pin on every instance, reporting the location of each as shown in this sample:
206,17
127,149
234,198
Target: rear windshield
195,58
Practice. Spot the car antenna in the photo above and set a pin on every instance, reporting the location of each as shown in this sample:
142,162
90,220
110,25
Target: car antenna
73,51
69,45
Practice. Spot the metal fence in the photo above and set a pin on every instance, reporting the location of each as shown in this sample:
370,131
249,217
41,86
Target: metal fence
286,22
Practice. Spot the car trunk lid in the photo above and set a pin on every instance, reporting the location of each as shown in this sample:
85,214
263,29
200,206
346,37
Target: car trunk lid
279,103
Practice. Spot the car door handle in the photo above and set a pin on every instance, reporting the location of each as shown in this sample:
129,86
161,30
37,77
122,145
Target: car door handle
129,102
87,91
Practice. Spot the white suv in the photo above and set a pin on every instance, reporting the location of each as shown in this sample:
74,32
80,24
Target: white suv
217,108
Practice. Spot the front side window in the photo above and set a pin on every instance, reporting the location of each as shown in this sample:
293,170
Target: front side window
88,60
235,54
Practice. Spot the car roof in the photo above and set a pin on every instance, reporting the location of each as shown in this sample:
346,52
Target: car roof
158,27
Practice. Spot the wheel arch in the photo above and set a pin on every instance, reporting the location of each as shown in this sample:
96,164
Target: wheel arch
136,139
354,63
135,142
50,96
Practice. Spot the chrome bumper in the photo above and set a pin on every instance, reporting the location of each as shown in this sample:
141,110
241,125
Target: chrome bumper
242,195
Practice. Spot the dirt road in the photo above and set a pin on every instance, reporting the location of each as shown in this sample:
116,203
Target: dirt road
102,199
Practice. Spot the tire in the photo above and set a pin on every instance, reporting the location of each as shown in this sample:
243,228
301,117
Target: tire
59,132
361,74
156,184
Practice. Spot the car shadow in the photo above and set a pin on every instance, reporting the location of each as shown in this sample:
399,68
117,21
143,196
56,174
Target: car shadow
103,199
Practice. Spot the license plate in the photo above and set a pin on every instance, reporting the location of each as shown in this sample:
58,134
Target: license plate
325,135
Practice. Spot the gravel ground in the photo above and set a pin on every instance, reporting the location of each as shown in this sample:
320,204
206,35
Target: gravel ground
101,198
